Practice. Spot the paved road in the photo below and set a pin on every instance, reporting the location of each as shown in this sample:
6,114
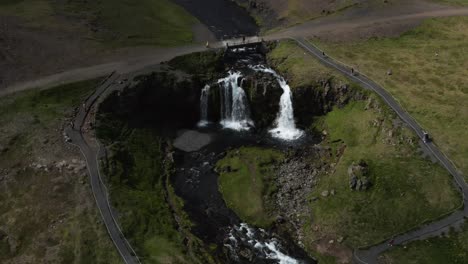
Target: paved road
97,185
436,228
156,55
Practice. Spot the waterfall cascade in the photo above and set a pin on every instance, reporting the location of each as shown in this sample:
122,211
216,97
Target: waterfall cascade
285,124
257,239
204,97
235,111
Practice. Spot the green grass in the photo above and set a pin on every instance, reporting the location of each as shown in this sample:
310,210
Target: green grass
27,198
136,176
115,23
300,68
450,249
433,89
248,183
46,105
141,194
407,190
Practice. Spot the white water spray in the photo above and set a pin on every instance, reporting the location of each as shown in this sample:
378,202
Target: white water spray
204,97
257,238
285,124
235,112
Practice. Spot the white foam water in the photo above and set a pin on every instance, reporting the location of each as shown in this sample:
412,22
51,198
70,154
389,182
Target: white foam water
270,248
285,125
235,111
204,97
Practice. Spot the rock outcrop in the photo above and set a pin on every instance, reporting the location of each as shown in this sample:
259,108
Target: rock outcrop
358,176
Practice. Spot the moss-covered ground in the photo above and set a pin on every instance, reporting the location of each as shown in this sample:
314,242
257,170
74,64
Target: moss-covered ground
246,182
407,189
451,249
430,77
47,215
138,177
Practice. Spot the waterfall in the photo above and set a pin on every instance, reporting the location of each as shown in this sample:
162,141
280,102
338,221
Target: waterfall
235,112
258,241
285,124
204,97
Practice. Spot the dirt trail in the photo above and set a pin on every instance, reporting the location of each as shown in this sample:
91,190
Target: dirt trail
357,27
339,26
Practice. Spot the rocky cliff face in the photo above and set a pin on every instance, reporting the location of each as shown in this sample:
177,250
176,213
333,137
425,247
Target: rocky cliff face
167,100
310,102
171,97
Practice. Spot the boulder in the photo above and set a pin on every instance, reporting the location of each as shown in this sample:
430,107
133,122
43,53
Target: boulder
353,182
358,179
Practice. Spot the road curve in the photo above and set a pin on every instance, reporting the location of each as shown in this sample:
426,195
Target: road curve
433,229
98,188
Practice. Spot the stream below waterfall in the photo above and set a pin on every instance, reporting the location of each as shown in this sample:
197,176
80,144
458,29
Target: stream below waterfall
196,182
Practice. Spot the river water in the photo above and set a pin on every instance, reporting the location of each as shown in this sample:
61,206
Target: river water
195,181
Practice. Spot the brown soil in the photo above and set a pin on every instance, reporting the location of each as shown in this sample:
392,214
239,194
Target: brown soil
27,54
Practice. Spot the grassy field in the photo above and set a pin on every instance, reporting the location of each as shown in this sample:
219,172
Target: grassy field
406,189
139,190
246,180
450,249
49,214
430,77
114,23
299,67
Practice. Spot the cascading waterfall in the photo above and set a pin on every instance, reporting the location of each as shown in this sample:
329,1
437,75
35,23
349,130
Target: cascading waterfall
257,239
285,124
204,97
235,112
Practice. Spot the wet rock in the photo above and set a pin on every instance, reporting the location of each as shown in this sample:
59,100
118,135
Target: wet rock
246,253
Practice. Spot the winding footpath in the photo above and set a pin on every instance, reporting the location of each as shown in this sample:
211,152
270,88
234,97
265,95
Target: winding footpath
428,230
132,65
76,134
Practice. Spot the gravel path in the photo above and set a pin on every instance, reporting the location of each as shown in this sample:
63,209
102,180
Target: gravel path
153,56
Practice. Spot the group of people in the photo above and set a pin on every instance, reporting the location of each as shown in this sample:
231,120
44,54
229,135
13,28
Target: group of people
207,45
